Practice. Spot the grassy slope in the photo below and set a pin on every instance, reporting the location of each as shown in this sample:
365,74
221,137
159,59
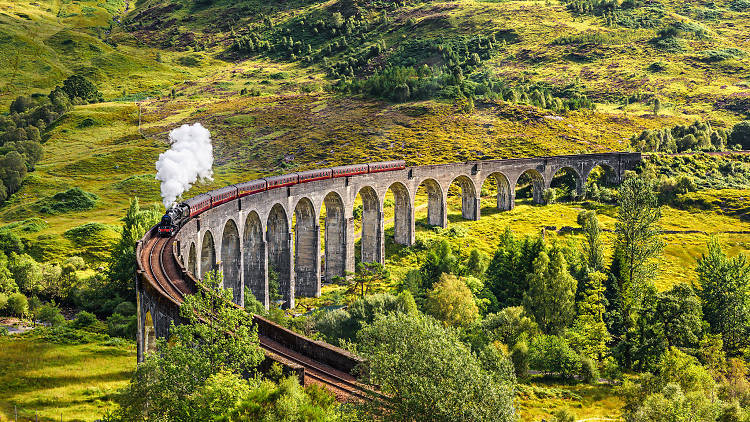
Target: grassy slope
48,379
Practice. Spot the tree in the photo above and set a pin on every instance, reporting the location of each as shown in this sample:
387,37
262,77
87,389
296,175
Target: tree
509,325
12,171
439,260
269,401
725,291
122,259
423,369
27,273
551,294
680,311
637,244
368,273
741,134
215,337
657,106
592,246
451,301
589,335
77,86
512,261
17,305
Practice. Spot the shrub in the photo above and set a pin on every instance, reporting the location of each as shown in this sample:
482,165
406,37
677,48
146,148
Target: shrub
84,319
741,134
552,354
520,358
75,199
122,326
3,302
17,305
50,314
589,371
125,309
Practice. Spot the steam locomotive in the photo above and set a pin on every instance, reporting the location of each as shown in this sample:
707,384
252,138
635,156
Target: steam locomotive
178,214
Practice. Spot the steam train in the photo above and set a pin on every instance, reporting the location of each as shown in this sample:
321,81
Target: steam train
178,214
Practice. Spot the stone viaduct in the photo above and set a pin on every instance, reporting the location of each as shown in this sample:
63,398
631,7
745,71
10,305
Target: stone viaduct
280,228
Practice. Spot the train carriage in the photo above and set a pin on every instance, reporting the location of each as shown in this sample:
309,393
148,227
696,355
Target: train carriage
251,187
274,182
223,195
351,170
198,204
312,175
386,166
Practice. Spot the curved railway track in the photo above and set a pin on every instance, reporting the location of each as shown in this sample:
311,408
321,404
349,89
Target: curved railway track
159,264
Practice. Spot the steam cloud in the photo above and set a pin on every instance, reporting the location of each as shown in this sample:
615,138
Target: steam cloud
188,159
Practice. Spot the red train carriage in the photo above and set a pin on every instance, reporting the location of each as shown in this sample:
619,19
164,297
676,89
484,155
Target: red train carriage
223,195
387,166
251,187
281,181
351,170
310,175
198,204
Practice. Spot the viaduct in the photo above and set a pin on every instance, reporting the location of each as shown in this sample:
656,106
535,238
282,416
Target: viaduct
278,230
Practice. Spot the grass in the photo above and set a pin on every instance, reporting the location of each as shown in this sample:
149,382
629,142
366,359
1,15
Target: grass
54,381
539,399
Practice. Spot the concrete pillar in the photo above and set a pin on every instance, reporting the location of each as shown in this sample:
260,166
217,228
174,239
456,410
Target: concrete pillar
286,277
381,238
349,266
307,260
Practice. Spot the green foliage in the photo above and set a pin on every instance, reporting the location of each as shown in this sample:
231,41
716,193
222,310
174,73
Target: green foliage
592,246
84,320
519,355
589,335
702,171
216,337
49,314
3,302
122,260
451,301
404,352
510,325
74,199
741,134
698,136
552,354
27,273
718,55
724,289
268,401
80,90
17,305
512,261
550,297
123,326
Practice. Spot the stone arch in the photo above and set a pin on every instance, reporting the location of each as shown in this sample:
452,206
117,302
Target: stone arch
149,334
279,239
306,250
536,180
469,200
604,172
335,237
254,258
208,254
372,226
193,260
231,260
561,176
436,213
504,196
403,215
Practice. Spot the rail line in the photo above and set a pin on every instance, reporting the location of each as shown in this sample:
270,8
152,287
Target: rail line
158,262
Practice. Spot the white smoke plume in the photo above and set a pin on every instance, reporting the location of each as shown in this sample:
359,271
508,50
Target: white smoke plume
188,159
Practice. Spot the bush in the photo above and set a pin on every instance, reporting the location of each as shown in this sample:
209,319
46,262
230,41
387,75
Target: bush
75,199
741,134
50,314
3,302
119,325
520,358
17,305
125,309
552,354
84,319
589,371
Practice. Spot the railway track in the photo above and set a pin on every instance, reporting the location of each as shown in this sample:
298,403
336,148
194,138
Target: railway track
159,264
